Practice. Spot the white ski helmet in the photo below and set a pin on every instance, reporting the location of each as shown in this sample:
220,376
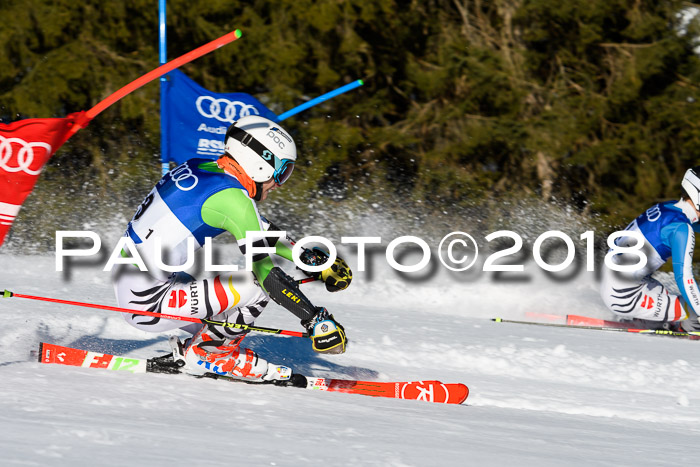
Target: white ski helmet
691,185
262,148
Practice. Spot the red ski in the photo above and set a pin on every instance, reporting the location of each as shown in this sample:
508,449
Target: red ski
50,353
428,391
577,320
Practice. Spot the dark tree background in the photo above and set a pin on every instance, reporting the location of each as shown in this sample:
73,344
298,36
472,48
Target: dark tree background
593,103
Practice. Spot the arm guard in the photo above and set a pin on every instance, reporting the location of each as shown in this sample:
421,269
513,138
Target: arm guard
285,292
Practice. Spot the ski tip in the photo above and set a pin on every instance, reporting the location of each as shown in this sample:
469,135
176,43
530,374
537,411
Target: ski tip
6,293
461,393
433,391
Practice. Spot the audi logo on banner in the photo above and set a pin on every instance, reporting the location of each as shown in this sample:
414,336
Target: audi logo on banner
23,158
224,110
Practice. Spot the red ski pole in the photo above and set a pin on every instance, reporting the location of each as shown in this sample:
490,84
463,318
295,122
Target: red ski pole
308,279
8,294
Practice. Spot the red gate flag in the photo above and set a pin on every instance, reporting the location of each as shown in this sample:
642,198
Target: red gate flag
25,146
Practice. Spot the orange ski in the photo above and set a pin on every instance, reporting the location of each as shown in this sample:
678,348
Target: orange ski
428,391
50,353
577,320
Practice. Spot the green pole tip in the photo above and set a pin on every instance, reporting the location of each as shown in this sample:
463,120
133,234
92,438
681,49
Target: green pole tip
361,82
238,33
7,294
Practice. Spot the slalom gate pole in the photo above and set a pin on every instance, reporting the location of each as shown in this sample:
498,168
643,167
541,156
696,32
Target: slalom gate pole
153,74
8,294
164,114
319,99
661,332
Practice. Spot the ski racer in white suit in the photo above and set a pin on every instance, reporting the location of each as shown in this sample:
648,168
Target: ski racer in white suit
201,199
669,233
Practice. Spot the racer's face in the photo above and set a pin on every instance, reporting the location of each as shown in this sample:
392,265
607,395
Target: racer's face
693,205
267,187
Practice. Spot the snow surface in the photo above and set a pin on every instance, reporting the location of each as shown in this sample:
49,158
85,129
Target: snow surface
539,396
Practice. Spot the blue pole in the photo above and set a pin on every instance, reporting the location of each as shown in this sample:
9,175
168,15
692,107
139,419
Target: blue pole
165,164
319,99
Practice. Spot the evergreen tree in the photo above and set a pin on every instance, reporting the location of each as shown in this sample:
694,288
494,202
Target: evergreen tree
593,103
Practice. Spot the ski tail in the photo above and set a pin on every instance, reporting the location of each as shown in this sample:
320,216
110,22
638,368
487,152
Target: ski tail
577,320
51,353
41,352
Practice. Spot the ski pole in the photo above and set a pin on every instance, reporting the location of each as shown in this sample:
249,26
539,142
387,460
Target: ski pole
8,294
661,332
308,279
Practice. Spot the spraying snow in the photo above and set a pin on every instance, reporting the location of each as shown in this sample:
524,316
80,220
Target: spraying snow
539,396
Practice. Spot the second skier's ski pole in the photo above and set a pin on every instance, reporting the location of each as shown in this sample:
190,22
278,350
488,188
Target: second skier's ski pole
659,332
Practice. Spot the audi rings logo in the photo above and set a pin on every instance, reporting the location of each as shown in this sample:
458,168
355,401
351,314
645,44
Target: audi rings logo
25,155
182,175
224,110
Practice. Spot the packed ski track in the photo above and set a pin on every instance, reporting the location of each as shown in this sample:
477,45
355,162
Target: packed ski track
538,396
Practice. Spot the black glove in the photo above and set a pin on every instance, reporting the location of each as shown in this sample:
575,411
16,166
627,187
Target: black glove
327,335
337,277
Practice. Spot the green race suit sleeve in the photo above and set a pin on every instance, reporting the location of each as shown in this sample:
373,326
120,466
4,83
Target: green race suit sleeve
284,246
233,211
284,250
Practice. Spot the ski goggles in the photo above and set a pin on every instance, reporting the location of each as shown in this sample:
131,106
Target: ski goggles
283,167
283,170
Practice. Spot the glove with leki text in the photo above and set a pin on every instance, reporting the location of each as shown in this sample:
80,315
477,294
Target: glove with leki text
327,335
